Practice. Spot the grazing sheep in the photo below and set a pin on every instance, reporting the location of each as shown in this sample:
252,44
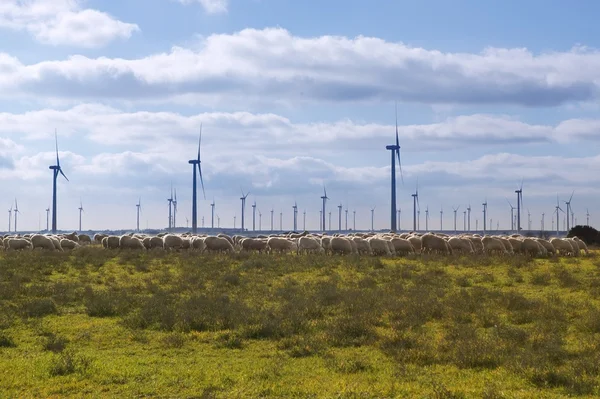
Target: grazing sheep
460,245
417,242
362,246
326,244
65,243
531,247
309,245
341,245
171,241
112,242
218,244
254,244
18,244
433,243
402,246
493,245
128,242
379,246
563,247
582,245
40,241
84,239
281,245
198,244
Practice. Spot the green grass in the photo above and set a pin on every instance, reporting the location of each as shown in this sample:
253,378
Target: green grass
100,323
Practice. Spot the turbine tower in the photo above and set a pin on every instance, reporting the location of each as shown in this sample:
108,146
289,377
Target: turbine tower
16,212
455,210
569,211
528,220
587,216
372,218
272,219
395,152
254,216
324,198
519,206
295,208
304,220
56,169
170,200
195,162
464,220
557,209
10,216
354,220
175,210
346,215
329,220
259,220
469,218
485,204
139,208
427,218
415,204
542,224
340,217
212,214
512,217
80,212
243,198
441,218
47,219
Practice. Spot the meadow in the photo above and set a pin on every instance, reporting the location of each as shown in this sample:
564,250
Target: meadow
101,323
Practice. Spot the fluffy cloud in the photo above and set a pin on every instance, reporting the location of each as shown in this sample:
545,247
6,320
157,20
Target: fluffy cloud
63,22
210,6
273,64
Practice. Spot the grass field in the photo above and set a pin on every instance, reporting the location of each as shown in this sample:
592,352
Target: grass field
99,323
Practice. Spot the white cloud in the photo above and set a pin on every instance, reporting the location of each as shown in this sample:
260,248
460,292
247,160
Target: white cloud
210,6
63,22
274,65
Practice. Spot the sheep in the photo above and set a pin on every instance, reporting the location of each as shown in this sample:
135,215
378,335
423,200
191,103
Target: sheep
254,244
531,247
84,239
460,245
98,237
341,245
493,245
563,247
218,244
379,246
281,245
65,243
433,243
128,242
417,242
326,244
582,245
41,241
172,241
402,246
547,245
18,244
309,245
362,246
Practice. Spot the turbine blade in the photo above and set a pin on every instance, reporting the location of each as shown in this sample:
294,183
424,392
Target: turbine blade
201,180
63,173
56,142
400,164
571,196
199,142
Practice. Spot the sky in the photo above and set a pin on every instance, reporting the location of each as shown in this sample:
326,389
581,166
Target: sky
293,96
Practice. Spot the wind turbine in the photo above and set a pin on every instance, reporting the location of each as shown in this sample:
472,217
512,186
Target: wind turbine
195,162
455,210
542,224
212,214
218,222
329,220
415,204
56,169
10,216
427,218
47,219
485,204
346,210
372,218
558,208
139,208
569,208
80,212
464,220
469,218
281,220
253,216
528,220
340,217
272,219
295,209
243,198
395,152
587,215
399,220
259,220
354,220
324,198
170,200
175,210
304,220
16,212
441,218
519,206
512,218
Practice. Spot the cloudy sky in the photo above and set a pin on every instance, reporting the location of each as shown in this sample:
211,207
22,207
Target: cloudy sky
294,95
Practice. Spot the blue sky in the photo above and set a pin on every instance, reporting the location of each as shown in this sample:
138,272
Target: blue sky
293,95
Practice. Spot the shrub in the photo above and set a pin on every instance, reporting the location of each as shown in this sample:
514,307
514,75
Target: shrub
6,341
55,343
174,340
588,234
39,307
67,363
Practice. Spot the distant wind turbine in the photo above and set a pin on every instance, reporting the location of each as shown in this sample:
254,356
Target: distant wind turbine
485,204
80,212
195,162
455,210
16,213
395,152
243,198
254,216
340,217
56,169
10,217
415,206
373,219
324,198
569,211
139,208
47,219
212,214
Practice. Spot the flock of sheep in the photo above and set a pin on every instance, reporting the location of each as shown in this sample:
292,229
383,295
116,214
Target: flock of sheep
381,244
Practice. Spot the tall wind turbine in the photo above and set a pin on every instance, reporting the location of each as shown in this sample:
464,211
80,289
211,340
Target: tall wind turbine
80,212
395,152
259,220
415,204
558,208
243,198
465,220
304,220
195,162
542,224
372,218
519,205
281,220
512,217
346,210
175,210
354,220
47,219
399,220
254,216
329,220
10,216
528,220
485,204
469,218
321,228
441,218
272,210
427,218
16,212
170,200
139,208
455,210
324,198
568,209
340,217
212,214
56,169
295,209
